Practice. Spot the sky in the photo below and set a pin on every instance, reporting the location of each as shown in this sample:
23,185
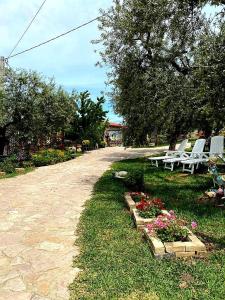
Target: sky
71,59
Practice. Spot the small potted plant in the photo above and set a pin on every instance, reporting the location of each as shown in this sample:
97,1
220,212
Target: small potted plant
168,236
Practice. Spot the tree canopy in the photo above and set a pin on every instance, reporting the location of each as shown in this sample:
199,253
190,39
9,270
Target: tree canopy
89,120
155,51
33,108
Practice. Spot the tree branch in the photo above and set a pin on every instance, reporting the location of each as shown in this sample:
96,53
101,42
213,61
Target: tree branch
183,71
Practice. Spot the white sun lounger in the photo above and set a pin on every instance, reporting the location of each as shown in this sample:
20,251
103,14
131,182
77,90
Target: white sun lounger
169,154
196,152
216,149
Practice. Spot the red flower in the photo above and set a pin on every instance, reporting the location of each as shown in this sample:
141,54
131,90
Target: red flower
143,205
158,202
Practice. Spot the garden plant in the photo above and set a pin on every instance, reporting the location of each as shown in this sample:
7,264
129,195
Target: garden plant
116,263
150,208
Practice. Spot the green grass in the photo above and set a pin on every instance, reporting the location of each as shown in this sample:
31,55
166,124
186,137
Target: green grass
14,174
115,260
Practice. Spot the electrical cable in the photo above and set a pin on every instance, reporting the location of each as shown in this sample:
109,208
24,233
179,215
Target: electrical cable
56,37
27,29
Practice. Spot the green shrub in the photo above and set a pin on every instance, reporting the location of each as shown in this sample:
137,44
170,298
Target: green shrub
70,154
39,160
9,164
86,142
102,144
51,157
27,164
134,180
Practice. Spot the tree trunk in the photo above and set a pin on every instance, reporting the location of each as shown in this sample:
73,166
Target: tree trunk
208,133
156,140
173,141
3,140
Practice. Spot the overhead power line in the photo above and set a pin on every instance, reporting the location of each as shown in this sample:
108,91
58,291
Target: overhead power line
27,28
56,37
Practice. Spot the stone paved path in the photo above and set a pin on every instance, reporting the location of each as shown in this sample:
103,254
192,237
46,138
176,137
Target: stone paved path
39,213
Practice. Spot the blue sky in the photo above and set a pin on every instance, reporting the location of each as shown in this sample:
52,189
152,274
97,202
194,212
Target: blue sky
70,59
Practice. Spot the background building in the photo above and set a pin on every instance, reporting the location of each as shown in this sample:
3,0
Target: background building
114,134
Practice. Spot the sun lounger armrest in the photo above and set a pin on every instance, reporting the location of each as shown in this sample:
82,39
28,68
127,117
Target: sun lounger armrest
170,151
173,153
192,155
197,155
186,154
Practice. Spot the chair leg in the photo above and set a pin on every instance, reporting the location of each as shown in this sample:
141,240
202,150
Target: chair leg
155,163
169,167
189,168
166,166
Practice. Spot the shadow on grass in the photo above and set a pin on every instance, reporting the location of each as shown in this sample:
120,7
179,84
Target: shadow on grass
116,263
212,241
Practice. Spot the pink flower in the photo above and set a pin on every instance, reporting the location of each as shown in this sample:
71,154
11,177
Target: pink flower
171,215
160,223
150,227
171,212
194,224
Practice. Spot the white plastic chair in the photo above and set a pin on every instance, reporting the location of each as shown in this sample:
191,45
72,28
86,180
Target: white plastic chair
196,152
169,154
216,149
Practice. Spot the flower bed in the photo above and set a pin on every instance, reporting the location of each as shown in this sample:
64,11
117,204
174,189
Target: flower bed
132,198
146,211
168,237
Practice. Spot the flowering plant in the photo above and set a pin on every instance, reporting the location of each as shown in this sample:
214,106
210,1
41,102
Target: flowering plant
151,208
168,228
139,196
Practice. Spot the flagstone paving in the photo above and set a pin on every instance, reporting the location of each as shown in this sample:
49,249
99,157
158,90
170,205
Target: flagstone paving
39,213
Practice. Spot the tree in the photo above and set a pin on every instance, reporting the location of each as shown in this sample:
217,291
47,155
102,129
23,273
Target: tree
151,48
145,40
32,108
90,118
209,77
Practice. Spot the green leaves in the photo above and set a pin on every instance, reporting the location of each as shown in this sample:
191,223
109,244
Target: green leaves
154,50
32,108
89,119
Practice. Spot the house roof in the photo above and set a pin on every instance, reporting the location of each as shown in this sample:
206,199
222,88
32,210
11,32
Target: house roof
116,125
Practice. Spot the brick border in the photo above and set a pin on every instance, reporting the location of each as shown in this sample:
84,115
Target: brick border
129,201
20,170
142,222
192,248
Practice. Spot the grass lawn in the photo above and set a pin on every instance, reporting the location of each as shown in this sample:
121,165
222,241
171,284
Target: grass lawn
14,174
116,262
